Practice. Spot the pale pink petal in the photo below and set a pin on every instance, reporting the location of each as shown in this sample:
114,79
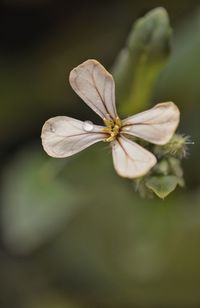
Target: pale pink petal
64,136
130,159
95,86
156,125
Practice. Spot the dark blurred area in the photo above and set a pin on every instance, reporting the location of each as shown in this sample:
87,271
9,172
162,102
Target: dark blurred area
74,234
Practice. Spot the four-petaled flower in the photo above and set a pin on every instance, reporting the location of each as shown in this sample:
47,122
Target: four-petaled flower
64,136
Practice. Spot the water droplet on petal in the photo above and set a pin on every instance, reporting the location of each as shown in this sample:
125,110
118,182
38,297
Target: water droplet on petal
88,126
52,128
127,128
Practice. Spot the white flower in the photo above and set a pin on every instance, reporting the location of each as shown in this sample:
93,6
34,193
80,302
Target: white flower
63,136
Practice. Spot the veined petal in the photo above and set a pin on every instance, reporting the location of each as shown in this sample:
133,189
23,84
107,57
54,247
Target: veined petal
64,136
156,125
95,86
130,159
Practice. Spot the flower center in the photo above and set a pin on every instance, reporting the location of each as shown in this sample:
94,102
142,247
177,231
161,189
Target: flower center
112,128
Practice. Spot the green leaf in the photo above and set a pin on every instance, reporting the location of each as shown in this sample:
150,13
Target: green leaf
36,202
162,186
138,65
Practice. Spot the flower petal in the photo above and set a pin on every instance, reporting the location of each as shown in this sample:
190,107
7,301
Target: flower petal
130,159
95,86
156,125
64,136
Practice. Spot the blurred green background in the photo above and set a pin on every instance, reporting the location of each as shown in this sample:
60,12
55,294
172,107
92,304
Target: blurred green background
73,233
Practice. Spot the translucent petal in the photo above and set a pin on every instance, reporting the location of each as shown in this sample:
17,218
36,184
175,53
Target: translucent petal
156,125
130,159
64,136
95,86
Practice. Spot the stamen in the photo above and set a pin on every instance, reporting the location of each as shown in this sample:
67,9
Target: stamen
112,128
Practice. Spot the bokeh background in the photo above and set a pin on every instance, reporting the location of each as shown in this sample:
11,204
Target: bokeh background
73,233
